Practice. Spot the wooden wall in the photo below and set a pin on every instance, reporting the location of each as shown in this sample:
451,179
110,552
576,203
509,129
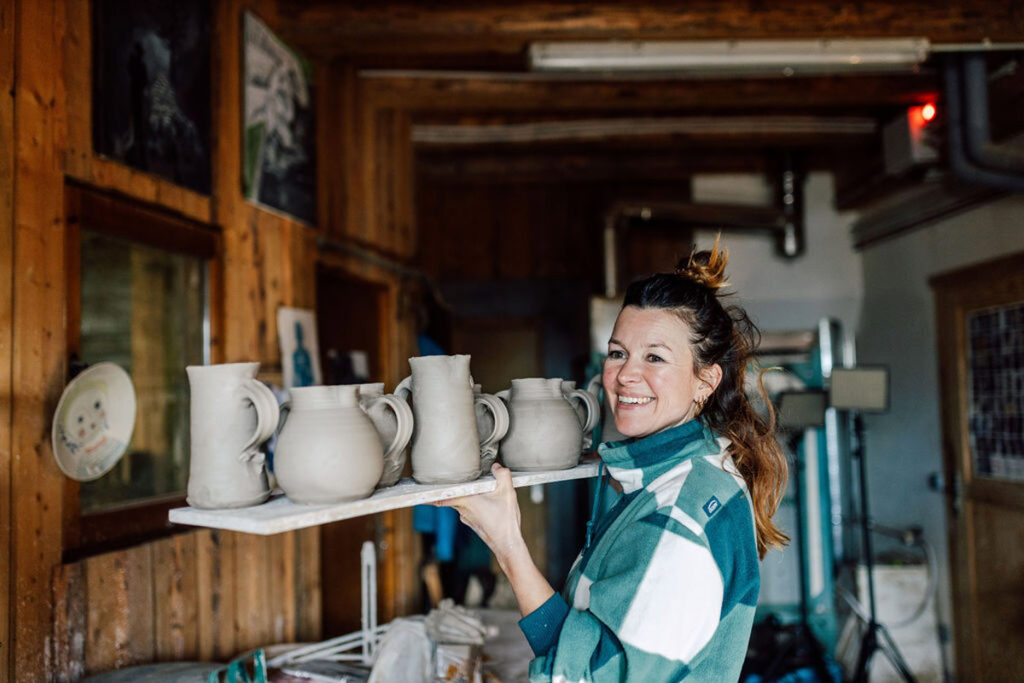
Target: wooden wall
197,594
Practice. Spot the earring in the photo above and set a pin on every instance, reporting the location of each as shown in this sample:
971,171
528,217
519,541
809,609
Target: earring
700,403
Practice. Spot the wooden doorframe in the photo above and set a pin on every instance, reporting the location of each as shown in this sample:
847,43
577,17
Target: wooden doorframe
994,283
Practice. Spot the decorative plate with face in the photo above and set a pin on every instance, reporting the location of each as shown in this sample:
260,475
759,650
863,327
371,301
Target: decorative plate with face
93,422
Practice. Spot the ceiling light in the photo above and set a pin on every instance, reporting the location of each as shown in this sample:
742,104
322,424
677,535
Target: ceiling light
710,58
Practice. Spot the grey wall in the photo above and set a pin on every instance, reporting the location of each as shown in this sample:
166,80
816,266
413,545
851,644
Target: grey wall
897,329
781,294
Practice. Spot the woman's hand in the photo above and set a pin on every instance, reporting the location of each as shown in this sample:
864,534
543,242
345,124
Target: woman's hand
494,516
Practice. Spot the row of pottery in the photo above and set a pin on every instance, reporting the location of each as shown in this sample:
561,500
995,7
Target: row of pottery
339,443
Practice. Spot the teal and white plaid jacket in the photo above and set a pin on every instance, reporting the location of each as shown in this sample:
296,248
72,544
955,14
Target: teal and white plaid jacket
667,587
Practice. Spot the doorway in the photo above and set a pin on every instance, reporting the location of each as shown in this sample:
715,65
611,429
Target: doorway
980,315
349,314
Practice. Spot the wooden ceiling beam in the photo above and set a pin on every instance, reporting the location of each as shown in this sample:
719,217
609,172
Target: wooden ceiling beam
416,28
492,92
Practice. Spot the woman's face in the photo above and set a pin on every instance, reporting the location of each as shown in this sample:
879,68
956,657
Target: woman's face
648,375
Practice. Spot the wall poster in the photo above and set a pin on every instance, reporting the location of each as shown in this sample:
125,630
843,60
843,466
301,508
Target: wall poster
151,87
279,160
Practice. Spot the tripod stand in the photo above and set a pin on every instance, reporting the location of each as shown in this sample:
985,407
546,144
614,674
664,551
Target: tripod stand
876,637
805,643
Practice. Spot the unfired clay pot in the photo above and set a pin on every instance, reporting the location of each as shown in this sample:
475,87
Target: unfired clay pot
544,431
328,449
587,407
232,413
385,417
446,446
491,426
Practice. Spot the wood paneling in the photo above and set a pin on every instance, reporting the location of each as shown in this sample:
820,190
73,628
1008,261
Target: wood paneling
70,622
7,34
175,598
203,595
215,609
197,594
38,363
120,612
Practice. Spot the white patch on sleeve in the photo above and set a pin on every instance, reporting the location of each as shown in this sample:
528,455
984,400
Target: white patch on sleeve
581,596
679,601
666,487
686,520
631,480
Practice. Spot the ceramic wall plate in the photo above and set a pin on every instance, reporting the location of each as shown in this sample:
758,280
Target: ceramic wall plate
93,422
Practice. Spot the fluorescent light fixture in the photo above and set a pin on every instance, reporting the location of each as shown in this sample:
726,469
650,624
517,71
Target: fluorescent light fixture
710,58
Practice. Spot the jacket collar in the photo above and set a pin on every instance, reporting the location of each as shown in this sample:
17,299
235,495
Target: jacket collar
635,463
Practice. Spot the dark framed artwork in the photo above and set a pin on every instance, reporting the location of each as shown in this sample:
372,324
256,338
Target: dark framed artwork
995,391
151,87
279,159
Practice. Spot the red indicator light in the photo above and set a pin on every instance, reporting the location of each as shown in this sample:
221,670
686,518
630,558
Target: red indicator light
928,112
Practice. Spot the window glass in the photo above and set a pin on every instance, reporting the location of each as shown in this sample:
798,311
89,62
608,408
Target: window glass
146,310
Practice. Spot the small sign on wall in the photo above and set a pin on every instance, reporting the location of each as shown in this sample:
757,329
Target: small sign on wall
300,353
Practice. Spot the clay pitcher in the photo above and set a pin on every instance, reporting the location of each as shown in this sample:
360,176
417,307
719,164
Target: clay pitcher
446,446
491,426
328,449
544,431
232,413
384,414
587,408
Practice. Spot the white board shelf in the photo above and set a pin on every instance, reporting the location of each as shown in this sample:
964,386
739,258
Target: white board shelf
279,514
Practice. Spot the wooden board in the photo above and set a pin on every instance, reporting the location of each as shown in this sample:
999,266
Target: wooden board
38,361
427,30
6,266
280,514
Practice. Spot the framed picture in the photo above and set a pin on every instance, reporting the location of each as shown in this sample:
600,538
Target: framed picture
300,353
151,87
279,160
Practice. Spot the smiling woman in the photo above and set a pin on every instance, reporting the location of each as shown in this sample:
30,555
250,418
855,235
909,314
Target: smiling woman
667,582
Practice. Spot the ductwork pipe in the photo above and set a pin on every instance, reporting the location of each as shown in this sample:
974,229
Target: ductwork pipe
972,155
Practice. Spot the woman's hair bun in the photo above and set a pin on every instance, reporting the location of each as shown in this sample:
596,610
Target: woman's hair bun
706,268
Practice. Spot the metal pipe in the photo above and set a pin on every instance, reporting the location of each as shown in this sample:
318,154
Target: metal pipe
959,160
980,148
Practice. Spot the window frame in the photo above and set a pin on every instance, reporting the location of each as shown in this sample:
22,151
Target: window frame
115,215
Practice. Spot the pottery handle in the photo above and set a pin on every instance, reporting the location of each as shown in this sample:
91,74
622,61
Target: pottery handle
404,388
404,418
265,405
500,412
503,395
592,406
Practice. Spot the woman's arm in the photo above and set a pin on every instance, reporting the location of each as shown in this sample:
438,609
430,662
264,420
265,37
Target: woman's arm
495,518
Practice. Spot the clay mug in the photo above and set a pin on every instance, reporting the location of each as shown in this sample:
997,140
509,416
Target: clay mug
328,448
544,431
608,430
491,426
446,446
232,413
388,412
587,407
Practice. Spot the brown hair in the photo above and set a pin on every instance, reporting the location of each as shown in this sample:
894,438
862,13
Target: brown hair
725,335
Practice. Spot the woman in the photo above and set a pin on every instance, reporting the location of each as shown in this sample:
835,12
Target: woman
666,585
